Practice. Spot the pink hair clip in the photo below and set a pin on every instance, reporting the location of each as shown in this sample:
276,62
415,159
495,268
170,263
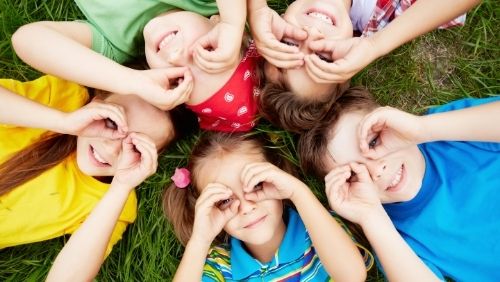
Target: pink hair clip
181,177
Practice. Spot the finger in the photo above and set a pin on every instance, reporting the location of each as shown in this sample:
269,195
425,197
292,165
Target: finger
250,172
316,72
322,45
282,56
294,32
336,172
324,72
117,115
361,172
232,211
143,139
181,93
257,196
174,72
371,123
213,62
148,162
213,188
212,199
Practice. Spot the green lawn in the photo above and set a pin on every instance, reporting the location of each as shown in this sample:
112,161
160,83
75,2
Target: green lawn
439,67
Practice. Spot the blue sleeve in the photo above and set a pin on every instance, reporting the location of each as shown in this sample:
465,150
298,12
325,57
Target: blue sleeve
467,103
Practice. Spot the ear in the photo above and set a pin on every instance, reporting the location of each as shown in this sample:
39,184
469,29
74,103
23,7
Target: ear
214,19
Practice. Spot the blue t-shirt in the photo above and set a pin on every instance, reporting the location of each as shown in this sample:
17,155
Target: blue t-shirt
453,223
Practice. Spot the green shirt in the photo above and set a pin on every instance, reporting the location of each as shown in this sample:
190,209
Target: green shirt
117,24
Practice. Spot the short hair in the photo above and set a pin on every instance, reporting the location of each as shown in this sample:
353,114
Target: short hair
290,111
312,145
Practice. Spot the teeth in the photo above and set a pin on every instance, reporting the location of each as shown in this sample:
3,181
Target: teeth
166,40
397,178
321,17
98,157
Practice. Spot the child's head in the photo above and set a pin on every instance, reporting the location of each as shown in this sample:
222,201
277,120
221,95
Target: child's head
169,38
292,112
334,142
97,156
328,19
220,158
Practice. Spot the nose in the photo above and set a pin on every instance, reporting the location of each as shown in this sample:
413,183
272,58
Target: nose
112,147
376,168
177,56
246,206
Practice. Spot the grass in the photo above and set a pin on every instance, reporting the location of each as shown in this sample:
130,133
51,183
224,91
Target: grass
439,67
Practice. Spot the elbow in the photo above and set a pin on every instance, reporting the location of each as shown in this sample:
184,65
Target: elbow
21,39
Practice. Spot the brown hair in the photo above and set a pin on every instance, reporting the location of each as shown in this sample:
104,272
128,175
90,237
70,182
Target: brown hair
179,204
292,112
312,144
53,148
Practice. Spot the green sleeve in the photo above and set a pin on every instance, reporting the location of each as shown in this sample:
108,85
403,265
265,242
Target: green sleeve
117,25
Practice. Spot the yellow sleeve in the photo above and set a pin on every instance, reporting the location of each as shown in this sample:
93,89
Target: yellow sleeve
51,91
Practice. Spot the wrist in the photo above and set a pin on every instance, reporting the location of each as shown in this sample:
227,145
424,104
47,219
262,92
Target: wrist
61,125
120,187
200,243
374,219
300,192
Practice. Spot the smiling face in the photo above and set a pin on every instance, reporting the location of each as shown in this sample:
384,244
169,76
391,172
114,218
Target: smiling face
398,175
327,19
256,223
169,36
98,156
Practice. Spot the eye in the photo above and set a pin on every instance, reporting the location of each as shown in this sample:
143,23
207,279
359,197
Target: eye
110,124
324,57
374,142
289,42
224,204
258,187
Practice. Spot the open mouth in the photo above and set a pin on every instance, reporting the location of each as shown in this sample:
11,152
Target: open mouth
166,39
322,16
255,223
97,159
397,181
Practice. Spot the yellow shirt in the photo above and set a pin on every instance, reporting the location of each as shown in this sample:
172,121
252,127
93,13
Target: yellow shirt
58,201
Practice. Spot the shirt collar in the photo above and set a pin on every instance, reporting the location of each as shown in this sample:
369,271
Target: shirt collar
243,264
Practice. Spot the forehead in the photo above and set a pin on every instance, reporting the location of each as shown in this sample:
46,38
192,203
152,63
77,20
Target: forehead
144,118
303,85
227,168
343,143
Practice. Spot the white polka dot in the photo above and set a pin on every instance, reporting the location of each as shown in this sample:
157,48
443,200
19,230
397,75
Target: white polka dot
222,118
199,119
216,123
243,110
247,75
252,124
228,97
256,92
206,111
235,125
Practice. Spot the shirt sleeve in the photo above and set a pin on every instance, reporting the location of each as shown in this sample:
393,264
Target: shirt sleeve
50,91
211,273
468,103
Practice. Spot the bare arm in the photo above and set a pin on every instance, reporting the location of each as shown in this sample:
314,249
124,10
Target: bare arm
422,17
63,49
358,202
83,254
337,252
21,111
478,123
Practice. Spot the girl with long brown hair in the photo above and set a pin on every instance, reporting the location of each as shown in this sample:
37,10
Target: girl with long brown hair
60,158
